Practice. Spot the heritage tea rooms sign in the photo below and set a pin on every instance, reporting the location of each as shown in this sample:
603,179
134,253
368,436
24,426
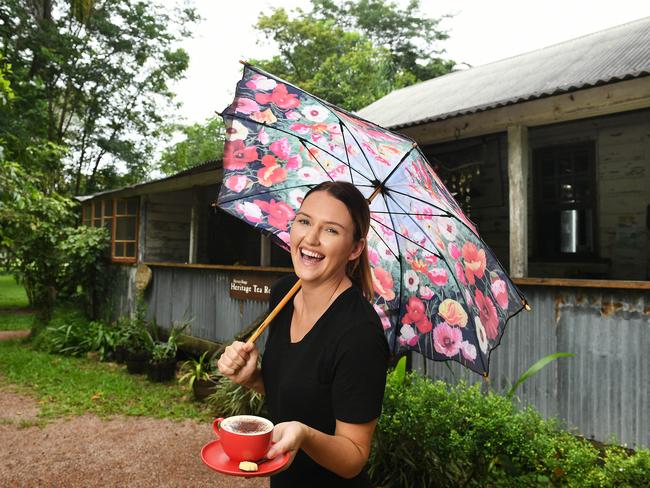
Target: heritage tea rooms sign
251,286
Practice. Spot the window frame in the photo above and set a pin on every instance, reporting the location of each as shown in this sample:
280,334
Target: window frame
102,217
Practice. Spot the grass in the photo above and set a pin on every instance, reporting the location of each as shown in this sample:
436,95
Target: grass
66,386
11,321
12,295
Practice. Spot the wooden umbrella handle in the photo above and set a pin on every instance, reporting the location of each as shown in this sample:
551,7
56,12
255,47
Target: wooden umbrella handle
274,312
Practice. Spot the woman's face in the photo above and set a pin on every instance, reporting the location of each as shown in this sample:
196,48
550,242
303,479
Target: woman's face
322,239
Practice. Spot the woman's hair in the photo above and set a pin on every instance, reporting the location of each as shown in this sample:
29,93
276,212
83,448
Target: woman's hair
348,194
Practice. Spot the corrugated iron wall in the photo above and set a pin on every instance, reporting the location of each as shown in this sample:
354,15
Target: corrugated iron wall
604,391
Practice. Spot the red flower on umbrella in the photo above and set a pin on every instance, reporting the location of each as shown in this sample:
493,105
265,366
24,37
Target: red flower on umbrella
279,213
280,97
236,155
416,314
270,175
487,314
383,283
475,261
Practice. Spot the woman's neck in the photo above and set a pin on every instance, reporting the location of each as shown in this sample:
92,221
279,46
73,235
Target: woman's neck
319,296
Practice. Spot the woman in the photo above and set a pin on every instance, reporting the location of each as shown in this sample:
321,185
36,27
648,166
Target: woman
324,367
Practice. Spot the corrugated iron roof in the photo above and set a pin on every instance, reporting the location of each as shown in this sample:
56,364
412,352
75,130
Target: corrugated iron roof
608,56
199,168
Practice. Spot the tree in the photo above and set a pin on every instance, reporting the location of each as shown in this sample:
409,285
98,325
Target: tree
202,142
92,83
352,53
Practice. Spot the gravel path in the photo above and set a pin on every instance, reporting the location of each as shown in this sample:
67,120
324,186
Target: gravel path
89,452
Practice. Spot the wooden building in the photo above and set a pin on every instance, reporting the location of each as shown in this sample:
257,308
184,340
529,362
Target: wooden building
548,151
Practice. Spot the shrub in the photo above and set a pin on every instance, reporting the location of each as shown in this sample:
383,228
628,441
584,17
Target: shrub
434,434
232,399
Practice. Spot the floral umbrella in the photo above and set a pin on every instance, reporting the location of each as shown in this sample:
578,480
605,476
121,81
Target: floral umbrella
439,290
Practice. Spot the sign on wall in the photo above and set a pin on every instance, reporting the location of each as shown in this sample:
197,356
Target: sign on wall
251,286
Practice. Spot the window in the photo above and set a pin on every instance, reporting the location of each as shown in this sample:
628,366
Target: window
565,201
120,216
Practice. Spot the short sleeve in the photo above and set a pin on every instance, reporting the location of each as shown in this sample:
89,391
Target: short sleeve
360,374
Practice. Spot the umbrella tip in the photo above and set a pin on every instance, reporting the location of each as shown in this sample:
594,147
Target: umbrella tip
415,144
243,62
526,306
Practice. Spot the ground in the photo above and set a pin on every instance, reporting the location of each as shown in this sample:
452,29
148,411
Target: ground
87,451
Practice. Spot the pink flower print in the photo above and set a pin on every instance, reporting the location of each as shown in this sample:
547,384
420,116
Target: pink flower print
425,292
500,292
373,256
280,97
453,312
419,266
480,333
460,273
468,298
246,106
309,174
385,321
382,281
447,228
294,162
301,129
487,314
279,213
263,137
236,155
236,183
432,259
416,314
280,148
446,340
453,250
474,262
425,213
250,211
259,82
438,276
292,115
408,337
271,175
468,350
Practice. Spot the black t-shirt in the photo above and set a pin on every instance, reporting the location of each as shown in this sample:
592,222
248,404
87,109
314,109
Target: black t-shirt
337,371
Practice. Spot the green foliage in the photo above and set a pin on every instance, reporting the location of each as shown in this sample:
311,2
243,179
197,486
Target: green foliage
201,142
93,78
433,434
536,368
166,350
74,386
12,321
232,399
197,369
6,93
44,249
352,53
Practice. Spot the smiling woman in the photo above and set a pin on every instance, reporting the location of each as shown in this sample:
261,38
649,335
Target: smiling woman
324,366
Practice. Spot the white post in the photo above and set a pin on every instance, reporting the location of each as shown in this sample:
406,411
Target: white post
518,198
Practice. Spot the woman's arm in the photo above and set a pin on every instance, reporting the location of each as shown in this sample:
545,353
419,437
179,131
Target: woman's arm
345,453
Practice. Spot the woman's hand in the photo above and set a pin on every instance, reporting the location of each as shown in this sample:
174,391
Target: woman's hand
287,438
239,363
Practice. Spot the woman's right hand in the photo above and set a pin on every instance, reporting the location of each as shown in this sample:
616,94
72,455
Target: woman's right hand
239,363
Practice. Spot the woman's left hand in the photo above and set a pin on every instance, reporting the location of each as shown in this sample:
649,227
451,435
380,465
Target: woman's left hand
287,437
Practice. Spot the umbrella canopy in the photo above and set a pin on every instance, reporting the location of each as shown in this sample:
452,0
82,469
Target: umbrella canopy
439,290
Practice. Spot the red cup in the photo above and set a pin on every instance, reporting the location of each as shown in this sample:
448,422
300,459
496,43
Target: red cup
244,437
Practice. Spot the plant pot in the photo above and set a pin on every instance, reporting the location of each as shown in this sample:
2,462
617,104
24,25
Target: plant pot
136,362
162,371
120,354
203,388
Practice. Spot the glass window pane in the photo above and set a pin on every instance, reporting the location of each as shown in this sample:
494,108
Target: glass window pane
108,207
87,211
125,230
121,207
119,249
97,223
130,249
98,209
132,206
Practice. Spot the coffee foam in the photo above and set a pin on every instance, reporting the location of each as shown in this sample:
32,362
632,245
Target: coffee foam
229,423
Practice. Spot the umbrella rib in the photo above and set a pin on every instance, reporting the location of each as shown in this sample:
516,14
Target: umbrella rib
406,238
382,239
323,168
259,193
359,146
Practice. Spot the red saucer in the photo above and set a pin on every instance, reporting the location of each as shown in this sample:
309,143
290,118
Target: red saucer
212,454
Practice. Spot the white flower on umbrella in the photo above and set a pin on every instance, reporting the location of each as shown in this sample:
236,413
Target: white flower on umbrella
259,82
315,113
235,131
411,280
482,336
296,197
250,211
447,228
263,137
408,335
310,174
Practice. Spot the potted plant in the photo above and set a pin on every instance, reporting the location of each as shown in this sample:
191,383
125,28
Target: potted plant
198,374
139,346
162,364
